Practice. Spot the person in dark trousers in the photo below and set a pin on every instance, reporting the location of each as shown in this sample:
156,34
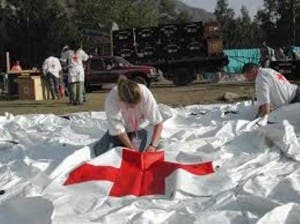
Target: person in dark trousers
52,70
76,75
128,107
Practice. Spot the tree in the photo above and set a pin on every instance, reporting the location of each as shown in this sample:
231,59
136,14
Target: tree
248,33
277,21
167,6
225,15
35,28
183,17
147,14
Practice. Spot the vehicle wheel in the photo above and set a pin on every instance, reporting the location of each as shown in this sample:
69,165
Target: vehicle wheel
87,87
182,77
149,84
140,79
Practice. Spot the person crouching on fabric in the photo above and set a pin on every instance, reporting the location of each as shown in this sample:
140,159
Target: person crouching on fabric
128,106
272,89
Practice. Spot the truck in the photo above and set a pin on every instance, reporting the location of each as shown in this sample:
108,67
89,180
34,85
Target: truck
289,67
179,51
100,70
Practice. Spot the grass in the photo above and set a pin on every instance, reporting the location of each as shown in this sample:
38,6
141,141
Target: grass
196,93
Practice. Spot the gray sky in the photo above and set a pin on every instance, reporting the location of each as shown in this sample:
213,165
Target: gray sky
210,5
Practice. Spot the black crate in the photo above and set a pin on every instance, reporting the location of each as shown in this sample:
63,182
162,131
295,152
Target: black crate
123,45
172,50
128,52
123,36
188,39
169,32
195,48
147,51
193,29
149,34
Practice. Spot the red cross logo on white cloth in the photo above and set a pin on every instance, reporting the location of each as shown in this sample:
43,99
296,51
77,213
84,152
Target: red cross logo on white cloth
140,174
75,58
281,77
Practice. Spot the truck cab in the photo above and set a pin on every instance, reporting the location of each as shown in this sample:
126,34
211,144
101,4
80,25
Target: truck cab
100,70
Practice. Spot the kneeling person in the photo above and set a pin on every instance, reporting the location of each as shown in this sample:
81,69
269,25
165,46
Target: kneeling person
272,89
128,106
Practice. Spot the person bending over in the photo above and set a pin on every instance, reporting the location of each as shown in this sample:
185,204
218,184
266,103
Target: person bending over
129,106
272,89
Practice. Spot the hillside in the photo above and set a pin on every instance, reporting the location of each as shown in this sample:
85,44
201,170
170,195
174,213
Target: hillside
197,14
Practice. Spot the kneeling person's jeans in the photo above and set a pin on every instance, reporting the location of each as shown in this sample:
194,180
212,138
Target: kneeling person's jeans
108,142
297,96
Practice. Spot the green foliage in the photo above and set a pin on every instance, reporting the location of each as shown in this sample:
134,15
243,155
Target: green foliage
238,32
167,6
32,29
276,19
225,15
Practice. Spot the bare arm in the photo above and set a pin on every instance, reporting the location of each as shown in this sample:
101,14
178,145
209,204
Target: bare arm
155,136
125,140
264,109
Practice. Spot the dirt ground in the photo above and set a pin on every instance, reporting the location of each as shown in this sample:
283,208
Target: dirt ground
164,92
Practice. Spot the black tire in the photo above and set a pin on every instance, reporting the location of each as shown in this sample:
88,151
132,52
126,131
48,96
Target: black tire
140,79
87,87
182,77
149,84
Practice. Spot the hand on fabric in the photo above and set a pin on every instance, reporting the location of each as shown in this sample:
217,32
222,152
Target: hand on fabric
151,148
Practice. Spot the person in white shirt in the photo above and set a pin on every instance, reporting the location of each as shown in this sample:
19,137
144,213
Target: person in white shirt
52,71
76,75
272,89
267,54
129,107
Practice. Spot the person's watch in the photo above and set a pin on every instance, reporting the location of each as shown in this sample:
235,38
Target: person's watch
153,145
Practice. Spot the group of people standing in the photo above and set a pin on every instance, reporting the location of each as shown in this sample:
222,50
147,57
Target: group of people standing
70,64
268,54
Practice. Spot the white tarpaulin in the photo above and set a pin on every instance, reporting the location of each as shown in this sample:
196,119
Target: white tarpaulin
256,164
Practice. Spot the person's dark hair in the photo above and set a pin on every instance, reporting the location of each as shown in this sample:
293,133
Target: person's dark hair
248,67
72,45
129,91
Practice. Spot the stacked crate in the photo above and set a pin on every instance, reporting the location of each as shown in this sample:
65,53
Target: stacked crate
193,40
170,41
212,35
124,43
147,43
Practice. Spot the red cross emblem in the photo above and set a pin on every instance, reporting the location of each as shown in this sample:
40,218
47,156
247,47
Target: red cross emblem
140,174
281,77
75,58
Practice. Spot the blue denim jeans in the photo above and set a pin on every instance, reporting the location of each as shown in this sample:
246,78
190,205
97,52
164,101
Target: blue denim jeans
108,142
297,96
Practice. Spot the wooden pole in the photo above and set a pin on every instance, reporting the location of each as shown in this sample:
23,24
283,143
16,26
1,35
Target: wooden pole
7,62
293,14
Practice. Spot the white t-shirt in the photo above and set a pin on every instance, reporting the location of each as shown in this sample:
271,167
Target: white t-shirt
76,70
52,65
273,88
123,119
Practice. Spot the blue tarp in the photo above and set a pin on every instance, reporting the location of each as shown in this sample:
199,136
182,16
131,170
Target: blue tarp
297,49
238,57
